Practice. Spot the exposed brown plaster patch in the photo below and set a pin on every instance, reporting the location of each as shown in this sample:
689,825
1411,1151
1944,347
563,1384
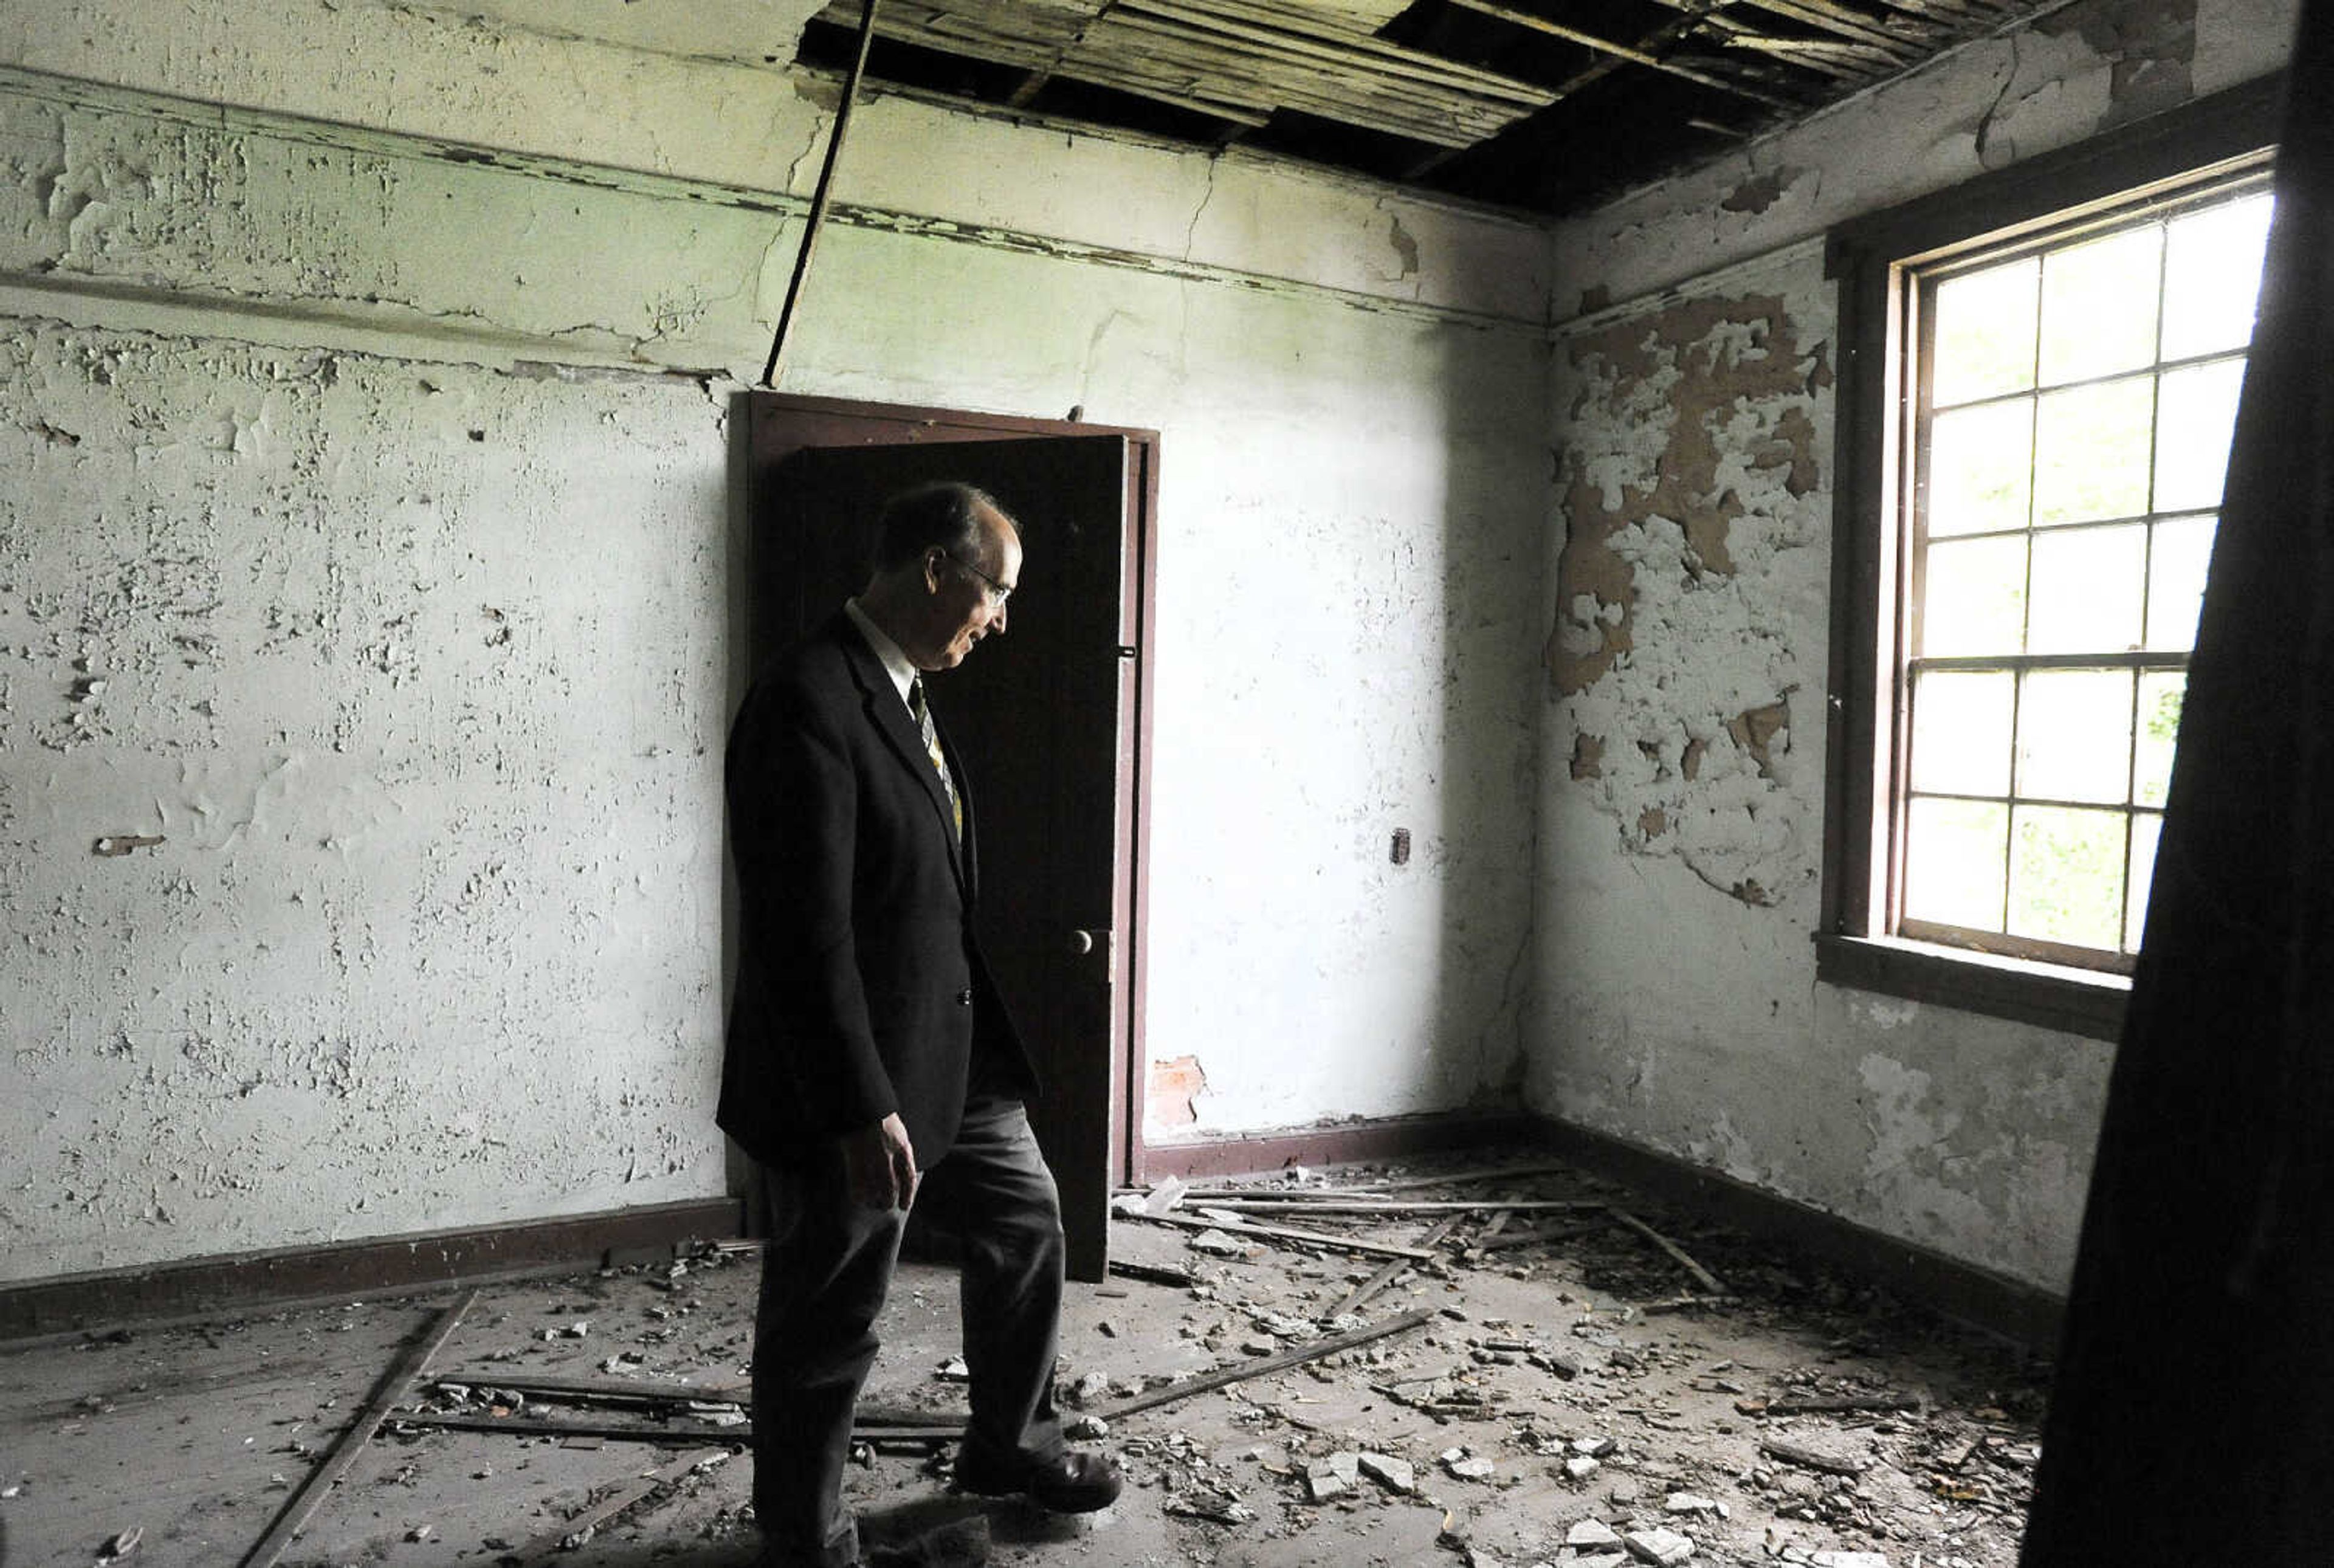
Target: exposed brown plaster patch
1588,567
1653,822
1748,890
1760,192
1690,763
1714,374
1792,447
1173,1087
1755,730
1588,757
1405,249
2150,48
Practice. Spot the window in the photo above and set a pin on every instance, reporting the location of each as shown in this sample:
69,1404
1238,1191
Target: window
2043,379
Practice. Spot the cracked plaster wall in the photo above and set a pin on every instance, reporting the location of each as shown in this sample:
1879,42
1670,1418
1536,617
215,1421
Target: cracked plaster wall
1682,765
2085,68
365,542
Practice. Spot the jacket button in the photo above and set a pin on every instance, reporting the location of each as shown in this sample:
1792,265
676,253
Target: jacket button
964,998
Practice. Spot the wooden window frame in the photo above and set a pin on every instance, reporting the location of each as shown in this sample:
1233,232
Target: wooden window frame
1870,258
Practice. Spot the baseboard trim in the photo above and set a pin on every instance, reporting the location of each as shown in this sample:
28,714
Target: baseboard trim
1996,1303
83,1302
1387,1137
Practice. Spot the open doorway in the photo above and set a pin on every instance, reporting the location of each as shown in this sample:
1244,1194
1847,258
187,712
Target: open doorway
1051,720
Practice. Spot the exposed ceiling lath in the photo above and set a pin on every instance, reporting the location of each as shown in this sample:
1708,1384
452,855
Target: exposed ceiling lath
1238,60
1541,104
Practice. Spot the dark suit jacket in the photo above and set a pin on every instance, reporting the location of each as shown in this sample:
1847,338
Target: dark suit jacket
861,985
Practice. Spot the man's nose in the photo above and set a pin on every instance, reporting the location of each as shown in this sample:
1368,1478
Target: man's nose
997,623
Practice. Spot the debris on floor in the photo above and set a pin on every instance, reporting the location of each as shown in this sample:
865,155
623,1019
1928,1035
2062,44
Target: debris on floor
1501,1366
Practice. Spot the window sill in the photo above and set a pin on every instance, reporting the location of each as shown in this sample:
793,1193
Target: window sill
2074,1001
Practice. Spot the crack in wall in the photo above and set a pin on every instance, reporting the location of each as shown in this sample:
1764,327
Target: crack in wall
1191,230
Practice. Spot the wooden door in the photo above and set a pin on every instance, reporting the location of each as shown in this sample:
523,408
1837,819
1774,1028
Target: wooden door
1044,719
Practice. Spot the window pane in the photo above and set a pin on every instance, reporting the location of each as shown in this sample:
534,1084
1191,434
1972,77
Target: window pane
2067,876
2212,274
2191,438
2087,590
1954,851
1973,598
1980,465
2098,306
1985,333
2160,694
2090,457
2176,581
2074,735
1960,731
2146,829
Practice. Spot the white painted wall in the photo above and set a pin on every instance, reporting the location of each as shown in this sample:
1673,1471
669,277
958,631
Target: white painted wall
384,487
1673,1012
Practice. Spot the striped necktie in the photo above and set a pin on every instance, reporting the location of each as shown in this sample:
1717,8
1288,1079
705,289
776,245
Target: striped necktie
925,727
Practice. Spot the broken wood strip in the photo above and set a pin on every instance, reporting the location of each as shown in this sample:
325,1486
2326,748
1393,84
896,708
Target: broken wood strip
1283,1233
1132,43
1144,78
1839,48
1534,1237
1251,111
539,1427
1135,42
1846,62
1707,1280
1264,1366
1156,1273
1679,1304
391,1389
1241,118
623,1389
1483,1173
1821,1404
1695,18
1842,22
1194,66
1629,53
1393,1266
1034,81
617,1502
1411,1206
1364,54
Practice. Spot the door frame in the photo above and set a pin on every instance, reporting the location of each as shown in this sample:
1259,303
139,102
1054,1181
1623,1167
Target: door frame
782,424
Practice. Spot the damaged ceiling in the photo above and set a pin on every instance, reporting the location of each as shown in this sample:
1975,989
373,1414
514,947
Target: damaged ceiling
1544,105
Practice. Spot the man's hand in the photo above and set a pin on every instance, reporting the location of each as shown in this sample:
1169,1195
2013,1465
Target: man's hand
880,1164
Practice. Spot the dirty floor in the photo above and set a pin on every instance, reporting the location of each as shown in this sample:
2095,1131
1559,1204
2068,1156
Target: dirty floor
1595,1381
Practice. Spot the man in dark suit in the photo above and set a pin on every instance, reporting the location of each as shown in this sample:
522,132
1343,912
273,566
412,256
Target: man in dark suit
871,1062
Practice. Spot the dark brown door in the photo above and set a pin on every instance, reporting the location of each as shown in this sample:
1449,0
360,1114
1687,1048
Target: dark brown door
1042,718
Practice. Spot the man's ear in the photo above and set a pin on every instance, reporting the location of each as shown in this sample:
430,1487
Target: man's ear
932,557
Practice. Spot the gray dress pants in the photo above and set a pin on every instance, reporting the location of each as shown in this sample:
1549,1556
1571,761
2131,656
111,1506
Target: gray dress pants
825,1275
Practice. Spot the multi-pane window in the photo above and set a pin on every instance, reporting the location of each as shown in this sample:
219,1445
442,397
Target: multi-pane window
2070,400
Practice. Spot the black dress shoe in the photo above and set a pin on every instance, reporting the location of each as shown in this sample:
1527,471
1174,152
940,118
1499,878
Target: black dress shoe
1070,1483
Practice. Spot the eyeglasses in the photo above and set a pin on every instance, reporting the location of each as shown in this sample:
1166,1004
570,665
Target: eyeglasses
997,591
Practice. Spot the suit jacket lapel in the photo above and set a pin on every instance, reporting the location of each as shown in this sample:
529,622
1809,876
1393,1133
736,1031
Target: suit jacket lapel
890,716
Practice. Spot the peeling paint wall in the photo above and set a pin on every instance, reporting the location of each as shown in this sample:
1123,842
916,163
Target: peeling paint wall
366,545
1682,760
2086,68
